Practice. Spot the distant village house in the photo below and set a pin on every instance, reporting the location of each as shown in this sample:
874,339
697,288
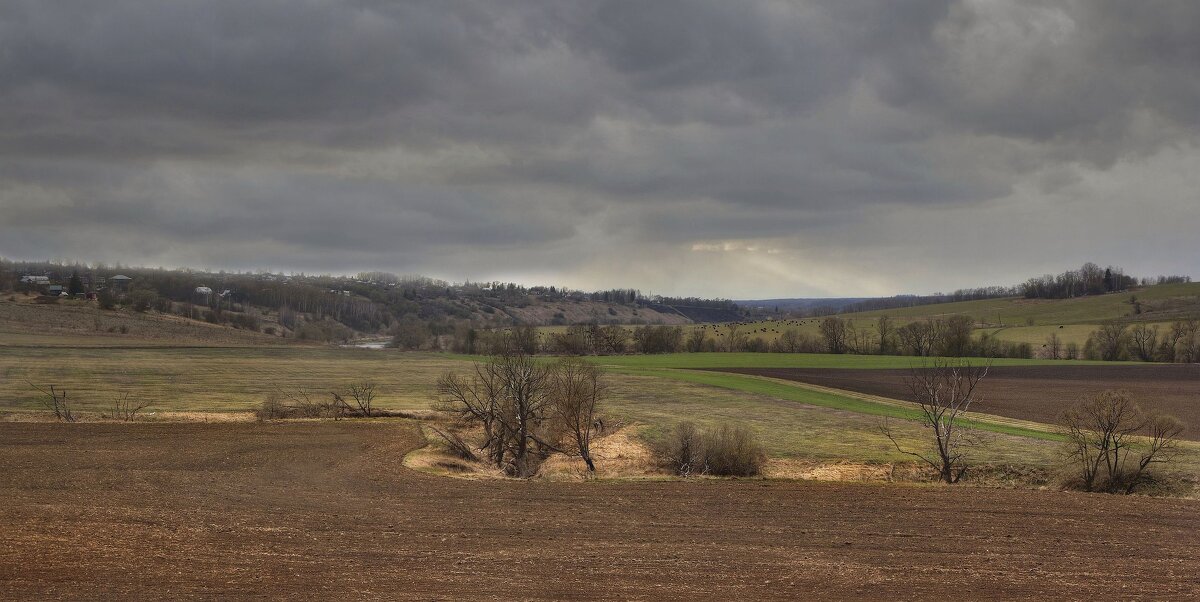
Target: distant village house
120,282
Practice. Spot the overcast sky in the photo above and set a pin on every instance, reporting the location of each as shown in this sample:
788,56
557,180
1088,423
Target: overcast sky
717,148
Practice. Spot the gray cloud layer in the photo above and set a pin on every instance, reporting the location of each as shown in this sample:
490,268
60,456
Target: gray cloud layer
752,148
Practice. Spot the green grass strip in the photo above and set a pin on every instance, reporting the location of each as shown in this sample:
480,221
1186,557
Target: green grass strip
678,367
799,394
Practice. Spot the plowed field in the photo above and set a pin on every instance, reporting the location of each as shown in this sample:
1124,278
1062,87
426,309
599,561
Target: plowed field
1037,393
325,510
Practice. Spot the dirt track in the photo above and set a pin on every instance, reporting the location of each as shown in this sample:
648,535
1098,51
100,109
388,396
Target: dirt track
323,510
1035,393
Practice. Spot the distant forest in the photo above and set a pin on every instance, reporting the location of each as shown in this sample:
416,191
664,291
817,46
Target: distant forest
1090,279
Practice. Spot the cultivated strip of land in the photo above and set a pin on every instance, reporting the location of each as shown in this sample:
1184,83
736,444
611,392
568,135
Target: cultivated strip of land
324,510
1030,393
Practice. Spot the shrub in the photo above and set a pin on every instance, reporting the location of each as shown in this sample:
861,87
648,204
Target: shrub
143,299
658,339
324,330
273,408
126,408
106,300
299,403
733,451
756,345
726,450
1113,443
455,445
244,321
410,333
683,452
1108,343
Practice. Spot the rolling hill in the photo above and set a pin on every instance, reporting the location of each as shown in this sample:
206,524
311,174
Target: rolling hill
1022,320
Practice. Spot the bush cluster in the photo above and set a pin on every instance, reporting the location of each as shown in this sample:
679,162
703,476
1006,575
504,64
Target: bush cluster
725,450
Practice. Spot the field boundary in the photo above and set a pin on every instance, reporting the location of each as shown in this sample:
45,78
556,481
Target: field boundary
817,395
970,416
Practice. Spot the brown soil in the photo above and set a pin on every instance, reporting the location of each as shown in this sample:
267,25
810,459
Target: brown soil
325,510
1037,393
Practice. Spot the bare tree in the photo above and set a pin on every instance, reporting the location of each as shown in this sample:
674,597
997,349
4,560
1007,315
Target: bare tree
1054,346
1072,351
55,400
1188,350
456,444
611,339
410,333
885,327
477,398
860,342
283,403
737,338
526,409
509,396
577,392
577,340
125,407
1113,441
943,393
363,395
1179,342
1109,341
955,336
525,339
527,400
833,329
1143,342
919,337
790,341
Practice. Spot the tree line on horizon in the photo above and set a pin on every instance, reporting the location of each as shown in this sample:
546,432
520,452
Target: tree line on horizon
1089,279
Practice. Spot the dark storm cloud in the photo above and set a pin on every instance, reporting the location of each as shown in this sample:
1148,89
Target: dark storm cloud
1052,70
451,135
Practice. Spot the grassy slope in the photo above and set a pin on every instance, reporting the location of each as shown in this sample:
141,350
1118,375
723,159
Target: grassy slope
1018,311
791,422
76,323
1009,319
